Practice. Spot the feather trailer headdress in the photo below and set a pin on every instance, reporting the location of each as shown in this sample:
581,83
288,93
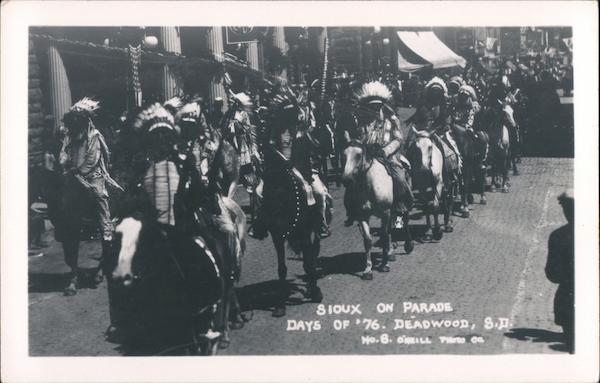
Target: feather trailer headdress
172,105
154,117
243,101
188,112
284,99
373,92
437,82
85,106
468,90
457,80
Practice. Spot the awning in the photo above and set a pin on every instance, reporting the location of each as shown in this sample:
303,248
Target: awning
406,66
426,45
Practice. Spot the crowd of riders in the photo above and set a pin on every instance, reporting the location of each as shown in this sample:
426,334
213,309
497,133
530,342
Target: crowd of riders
159,152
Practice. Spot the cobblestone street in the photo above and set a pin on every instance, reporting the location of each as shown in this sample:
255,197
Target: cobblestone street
491,266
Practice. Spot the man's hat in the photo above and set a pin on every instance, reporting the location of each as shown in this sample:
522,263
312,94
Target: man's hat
566,196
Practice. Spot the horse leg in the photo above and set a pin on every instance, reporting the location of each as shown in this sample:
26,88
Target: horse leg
367,273
386,241
428,233
226,308
310,256
71,252
505,177
449,209
279,243
325,169
437,231
408,242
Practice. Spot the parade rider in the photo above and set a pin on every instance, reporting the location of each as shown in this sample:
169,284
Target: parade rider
465,108
84,158
167,185
433,115
239,131
305,158
382,135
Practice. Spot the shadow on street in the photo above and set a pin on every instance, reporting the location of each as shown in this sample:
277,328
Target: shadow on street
555,339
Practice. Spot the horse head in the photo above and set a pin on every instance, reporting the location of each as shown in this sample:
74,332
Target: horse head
420,150
354,158
136,242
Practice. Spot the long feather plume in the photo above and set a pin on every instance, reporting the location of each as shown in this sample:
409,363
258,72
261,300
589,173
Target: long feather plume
373,91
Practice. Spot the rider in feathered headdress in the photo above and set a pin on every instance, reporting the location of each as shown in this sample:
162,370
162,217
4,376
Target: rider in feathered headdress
434,115
382,135
84,157
241,133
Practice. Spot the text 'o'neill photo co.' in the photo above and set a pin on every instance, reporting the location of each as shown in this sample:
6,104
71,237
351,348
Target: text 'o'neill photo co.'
243,190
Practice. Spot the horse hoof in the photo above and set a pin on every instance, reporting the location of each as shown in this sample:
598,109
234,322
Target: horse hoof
70,290
466,214
448,229
408,247
278,312
427,238
505,189
470,198
367,276
492,189
384,269
236,325
392,257
483,201
316,296
438,234
224,343
98,278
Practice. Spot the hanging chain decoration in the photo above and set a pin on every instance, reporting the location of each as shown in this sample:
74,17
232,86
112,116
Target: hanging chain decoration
325,65
135,60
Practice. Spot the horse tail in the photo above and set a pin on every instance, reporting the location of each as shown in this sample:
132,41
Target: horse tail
239,221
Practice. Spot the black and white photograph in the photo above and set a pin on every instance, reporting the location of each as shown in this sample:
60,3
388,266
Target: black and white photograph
270,189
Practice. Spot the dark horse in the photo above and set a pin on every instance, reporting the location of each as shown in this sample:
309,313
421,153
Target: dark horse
70,206
176,283
473,149
290,219
167,290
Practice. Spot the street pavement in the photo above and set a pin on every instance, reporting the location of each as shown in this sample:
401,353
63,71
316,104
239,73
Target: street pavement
484,284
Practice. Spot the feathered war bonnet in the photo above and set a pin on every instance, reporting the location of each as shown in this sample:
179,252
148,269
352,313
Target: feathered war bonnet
81,113
154,117
469,91
242,101
372,97
187,119
436,91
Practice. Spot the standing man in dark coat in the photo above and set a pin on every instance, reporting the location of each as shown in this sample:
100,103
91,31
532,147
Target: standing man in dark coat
560,269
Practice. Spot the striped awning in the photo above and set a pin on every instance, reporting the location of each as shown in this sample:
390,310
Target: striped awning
430,48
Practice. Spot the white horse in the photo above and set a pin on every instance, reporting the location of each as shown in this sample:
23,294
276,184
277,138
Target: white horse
372,194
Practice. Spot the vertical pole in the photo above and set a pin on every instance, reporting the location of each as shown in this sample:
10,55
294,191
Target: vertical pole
215,46
279,42
60,91
171,85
